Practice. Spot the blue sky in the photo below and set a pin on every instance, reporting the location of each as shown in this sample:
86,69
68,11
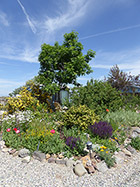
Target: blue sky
111,28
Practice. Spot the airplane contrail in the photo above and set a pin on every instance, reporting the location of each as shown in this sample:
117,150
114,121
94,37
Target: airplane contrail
27,17
111,31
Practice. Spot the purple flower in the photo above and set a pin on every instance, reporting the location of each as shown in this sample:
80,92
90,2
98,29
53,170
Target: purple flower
102,129
72,142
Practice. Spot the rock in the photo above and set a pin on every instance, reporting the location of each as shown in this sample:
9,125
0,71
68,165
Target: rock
119,157
60,161
126,152
127,141
85,159
38,155
136,129
2,143
6,149
48,156
70,163
12,151
60,156
102,167
80,170
131,149
90,169
15,154
135,132
26,159
51,160
23,152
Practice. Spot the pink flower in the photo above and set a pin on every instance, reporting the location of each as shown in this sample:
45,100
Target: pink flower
52,131
8,130
17,131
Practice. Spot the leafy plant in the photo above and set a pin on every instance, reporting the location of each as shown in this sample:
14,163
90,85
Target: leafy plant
127,118
98,96
101,129
107,157
80,117
135,142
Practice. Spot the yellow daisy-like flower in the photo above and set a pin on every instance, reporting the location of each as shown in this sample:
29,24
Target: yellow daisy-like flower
106,152
116,138
101,150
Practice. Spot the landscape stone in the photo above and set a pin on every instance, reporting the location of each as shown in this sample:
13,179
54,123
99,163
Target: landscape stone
126,152
12,151
102,167
80,170
23,152
48,156
6,149
90,169
26,159
60,161
51,160
70,163
15,154
131,149
2,143
127,141
39,155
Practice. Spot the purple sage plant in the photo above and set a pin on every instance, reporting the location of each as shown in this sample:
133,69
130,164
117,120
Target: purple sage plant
72,142
102,129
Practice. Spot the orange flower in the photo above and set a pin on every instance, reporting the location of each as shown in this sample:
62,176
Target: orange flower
107,110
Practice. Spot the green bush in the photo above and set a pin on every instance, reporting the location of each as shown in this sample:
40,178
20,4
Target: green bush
80,117
122,117
135,142
98,96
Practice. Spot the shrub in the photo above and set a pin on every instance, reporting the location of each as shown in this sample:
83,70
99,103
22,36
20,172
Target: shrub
98,96
80,117
101,129
22,102
127,118
135,142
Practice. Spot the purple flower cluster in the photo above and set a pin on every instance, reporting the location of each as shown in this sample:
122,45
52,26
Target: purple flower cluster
72,142
102,129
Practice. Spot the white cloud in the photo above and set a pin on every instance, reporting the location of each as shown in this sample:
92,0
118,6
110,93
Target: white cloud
25,55
128,61
27,17
111,31
75,10
4,19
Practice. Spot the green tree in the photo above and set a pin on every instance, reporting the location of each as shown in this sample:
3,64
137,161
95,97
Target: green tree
62,64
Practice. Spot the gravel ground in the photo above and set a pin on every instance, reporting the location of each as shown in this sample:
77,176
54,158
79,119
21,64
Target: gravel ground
14,173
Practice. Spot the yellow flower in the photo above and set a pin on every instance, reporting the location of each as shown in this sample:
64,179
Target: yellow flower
106,152
101,150
109,140
116,138
103,147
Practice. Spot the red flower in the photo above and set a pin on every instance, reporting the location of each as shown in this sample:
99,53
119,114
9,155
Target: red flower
52,131
15,129
107,110
8,130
